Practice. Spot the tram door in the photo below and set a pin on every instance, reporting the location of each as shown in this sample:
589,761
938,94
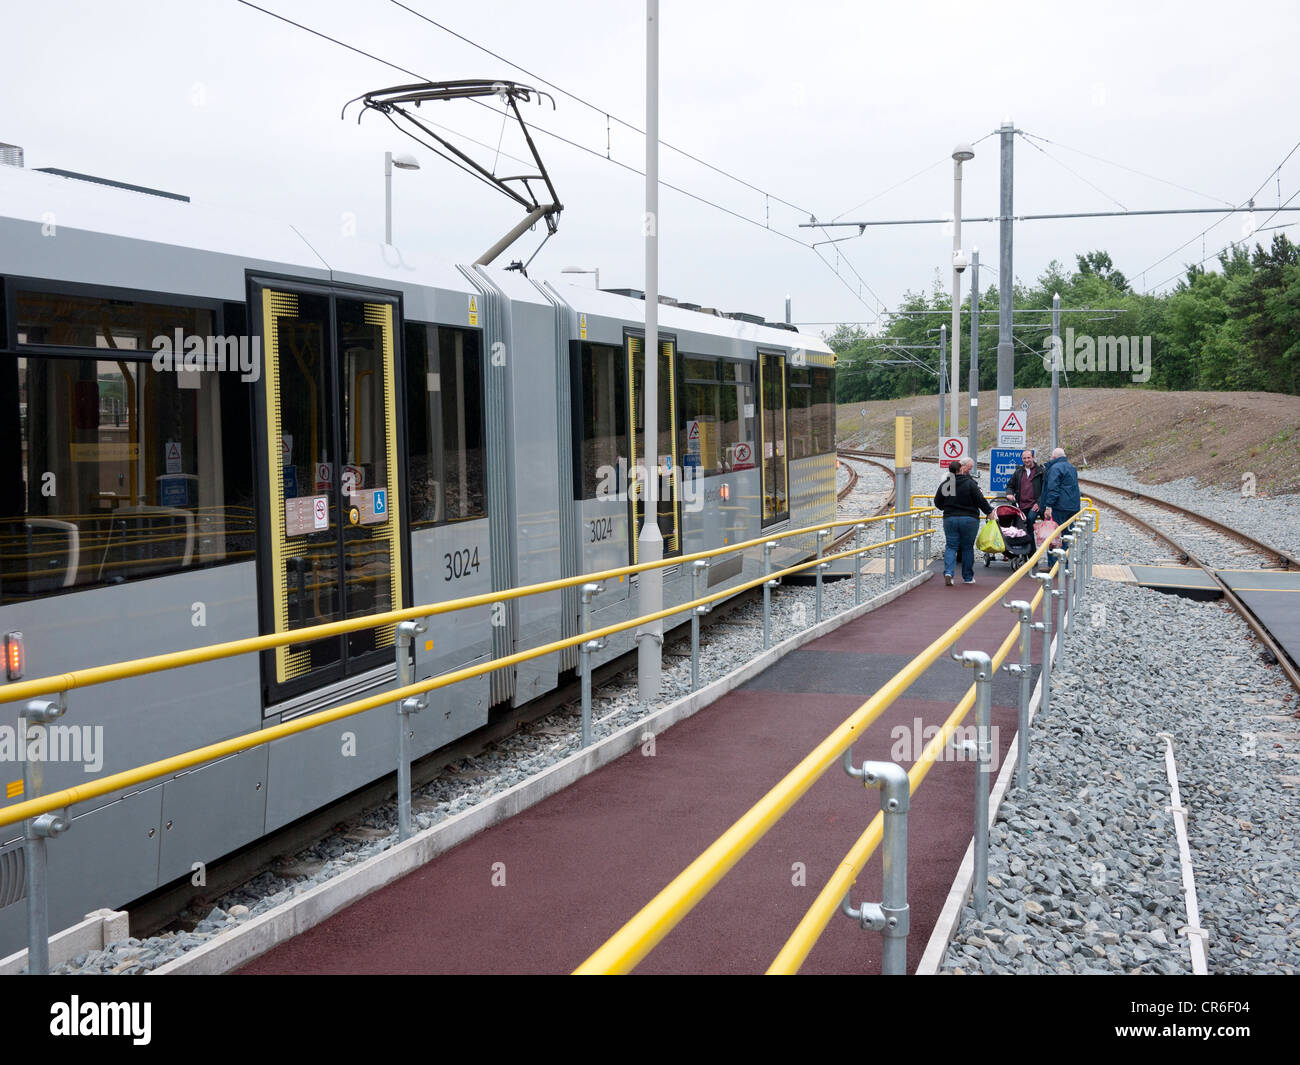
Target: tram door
669,508
329,418
771,387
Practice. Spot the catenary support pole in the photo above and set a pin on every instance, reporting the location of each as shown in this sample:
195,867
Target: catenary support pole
649,637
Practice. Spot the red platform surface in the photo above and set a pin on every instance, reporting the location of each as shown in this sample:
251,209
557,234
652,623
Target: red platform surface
579,864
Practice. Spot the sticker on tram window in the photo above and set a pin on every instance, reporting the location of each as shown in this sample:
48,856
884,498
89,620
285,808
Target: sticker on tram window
306,514
460,563
368,506
601,529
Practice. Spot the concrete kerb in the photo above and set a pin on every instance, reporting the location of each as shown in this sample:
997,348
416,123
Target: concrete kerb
96,932
963,884
254,937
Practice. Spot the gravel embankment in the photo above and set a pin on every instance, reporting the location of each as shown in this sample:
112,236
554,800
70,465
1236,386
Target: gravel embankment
1084,873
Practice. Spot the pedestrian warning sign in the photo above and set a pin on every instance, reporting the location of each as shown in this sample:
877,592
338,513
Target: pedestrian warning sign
1012,429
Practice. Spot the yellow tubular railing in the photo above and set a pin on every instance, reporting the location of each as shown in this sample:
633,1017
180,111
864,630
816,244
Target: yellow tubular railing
128,778
27,689
819,914
631,943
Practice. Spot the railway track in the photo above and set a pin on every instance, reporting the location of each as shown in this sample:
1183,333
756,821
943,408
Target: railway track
841,542
1127,503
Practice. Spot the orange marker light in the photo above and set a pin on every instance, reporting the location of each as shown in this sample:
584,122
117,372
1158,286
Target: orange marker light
15,656
724,493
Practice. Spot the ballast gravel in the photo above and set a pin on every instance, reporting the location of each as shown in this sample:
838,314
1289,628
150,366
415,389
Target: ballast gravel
1084,868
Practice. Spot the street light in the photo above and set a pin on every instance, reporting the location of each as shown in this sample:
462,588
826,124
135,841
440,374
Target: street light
583,270
403,161
961,154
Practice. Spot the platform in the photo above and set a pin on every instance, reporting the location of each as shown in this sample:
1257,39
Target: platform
539,892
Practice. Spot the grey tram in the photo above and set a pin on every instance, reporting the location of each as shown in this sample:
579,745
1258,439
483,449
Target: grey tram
215,427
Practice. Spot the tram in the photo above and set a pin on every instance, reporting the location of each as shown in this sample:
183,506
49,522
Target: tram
215,427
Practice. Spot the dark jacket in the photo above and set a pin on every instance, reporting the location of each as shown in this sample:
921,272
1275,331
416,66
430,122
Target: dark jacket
960,497
1060,489
1013,485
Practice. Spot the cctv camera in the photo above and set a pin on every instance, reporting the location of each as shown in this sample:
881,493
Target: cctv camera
959,260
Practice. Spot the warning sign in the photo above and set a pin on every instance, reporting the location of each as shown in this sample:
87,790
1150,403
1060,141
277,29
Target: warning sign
324,476
950,448
742,456
1011,429
582,327
173,454
473,310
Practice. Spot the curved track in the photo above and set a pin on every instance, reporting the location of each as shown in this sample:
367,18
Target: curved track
841,542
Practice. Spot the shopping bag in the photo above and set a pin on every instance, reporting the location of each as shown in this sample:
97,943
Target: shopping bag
1043,530
990,539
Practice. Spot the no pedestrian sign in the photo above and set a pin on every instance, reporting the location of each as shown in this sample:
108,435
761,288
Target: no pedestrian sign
950,448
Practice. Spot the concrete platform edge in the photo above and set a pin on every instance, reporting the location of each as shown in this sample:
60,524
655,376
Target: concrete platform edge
247,941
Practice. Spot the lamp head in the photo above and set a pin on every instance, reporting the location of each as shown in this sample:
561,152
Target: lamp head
406,161
963,153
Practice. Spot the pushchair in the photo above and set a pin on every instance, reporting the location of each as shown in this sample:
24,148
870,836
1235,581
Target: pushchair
1016,535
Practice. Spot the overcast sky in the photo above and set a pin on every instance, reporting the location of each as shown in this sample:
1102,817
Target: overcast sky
822,104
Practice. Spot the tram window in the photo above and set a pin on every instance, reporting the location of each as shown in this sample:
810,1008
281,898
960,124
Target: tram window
444,413
124,472
799,399
775,499
54,319
822,411
737,417
700,444
604,421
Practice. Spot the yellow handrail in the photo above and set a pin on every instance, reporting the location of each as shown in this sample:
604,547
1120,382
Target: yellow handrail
819,914
127,778
622,951
26,689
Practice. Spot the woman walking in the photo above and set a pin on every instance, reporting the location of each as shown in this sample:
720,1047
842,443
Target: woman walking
962,502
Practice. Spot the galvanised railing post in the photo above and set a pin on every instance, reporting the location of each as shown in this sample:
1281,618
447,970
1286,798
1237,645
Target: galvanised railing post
37,715
857,564
889,554
1071,580
589,591
1059,594
1024,670
767,593
983,666
698,567
891,917
1045,627
822,534
407,631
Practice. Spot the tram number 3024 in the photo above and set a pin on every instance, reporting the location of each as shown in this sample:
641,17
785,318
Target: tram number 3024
460,563
601,529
